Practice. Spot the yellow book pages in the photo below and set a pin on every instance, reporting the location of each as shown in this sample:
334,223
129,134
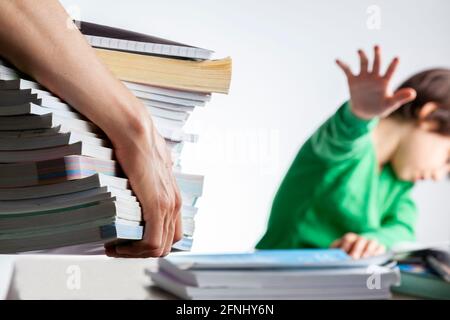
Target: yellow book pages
200,76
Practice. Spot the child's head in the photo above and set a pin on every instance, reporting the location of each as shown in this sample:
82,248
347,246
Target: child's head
424,152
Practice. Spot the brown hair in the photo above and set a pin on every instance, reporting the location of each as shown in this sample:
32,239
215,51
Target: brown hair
431,86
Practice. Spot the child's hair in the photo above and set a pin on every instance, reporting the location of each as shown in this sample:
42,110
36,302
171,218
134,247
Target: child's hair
431,86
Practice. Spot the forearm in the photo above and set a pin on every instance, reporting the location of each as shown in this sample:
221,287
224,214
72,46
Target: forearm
39,38
343,136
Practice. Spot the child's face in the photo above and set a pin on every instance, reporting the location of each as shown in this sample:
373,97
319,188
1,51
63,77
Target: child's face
422,154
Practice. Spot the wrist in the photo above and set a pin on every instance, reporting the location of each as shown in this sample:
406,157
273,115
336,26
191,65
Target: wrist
127,121
360,113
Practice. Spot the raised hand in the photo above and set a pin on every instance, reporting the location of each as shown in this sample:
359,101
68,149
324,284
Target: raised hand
369,93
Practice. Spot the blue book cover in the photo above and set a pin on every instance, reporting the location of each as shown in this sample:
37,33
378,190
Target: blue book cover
291,258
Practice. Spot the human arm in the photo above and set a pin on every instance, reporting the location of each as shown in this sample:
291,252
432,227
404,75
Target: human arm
346,134
397,226
39,38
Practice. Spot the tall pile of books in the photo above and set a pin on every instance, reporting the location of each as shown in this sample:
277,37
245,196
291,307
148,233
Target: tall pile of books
59,182
276,274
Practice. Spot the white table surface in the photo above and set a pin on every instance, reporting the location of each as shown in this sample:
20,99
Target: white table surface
78,277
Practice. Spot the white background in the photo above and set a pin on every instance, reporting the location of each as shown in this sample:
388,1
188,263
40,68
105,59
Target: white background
285,83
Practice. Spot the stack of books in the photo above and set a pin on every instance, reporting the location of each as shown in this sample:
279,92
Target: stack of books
276,274
59,182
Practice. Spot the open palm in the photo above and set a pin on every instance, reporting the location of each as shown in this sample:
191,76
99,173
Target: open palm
370,96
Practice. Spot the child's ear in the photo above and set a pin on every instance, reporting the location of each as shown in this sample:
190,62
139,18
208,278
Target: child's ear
424,116
427,109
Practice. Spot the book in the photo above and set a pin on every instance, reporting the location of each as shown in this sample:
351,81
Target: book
99,231
169,113
276,274
119,39
248,276
182,291
76,167
103,191
30,91
24,174
273,259
77,148
195,96
197,76
46,139
419,281
37,191
425,272
36,218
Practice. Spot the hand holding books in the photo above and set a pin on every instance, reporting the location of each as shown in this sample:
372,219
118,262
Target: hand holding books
68,103
147,163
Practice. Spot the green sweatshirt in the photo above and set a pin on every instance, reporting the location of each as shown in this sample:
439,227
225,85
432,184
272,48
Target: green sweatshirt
335,186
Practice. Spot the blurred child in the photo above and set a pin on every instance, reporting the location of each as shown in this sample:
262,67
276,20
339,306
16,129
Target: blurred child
349,186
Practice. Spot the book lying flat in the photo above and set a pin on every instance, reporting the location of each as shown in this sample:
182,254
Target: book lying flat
56,170
168,114
46,121
17,134
185,244
276,274
19,86
34,190
73,167
18,83
34,121
197,76
106,191
167,105
29,105
40,141
77,148
12,223
345,291
119,39
189,95
263,259
288,277
98,231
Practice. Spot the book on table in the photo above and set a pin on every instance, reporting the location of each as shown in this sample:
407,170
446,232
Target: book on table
277,274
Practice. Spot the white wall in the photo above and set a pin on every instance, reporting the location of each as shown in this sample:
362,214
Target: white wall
284,85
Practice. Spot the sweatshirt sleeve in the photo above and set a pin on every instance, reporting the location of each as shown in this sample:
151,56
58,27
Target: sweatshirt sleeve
398,225
343,136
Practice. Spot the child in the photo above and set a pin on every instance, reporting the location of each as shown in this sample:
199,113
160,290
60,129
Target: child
349,186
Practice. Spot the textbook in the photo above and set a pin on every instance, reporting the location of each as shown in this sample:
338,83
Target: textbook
119,39
264,259
60,186
276,274
197,76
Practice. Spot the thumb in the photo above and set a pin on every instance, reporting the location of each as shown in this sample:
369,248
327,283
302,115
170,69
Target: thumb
401,97
336,243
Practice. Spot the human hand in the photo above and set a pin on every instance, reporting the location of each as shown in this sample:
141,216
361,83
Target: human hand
358,247
147,163
369,93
